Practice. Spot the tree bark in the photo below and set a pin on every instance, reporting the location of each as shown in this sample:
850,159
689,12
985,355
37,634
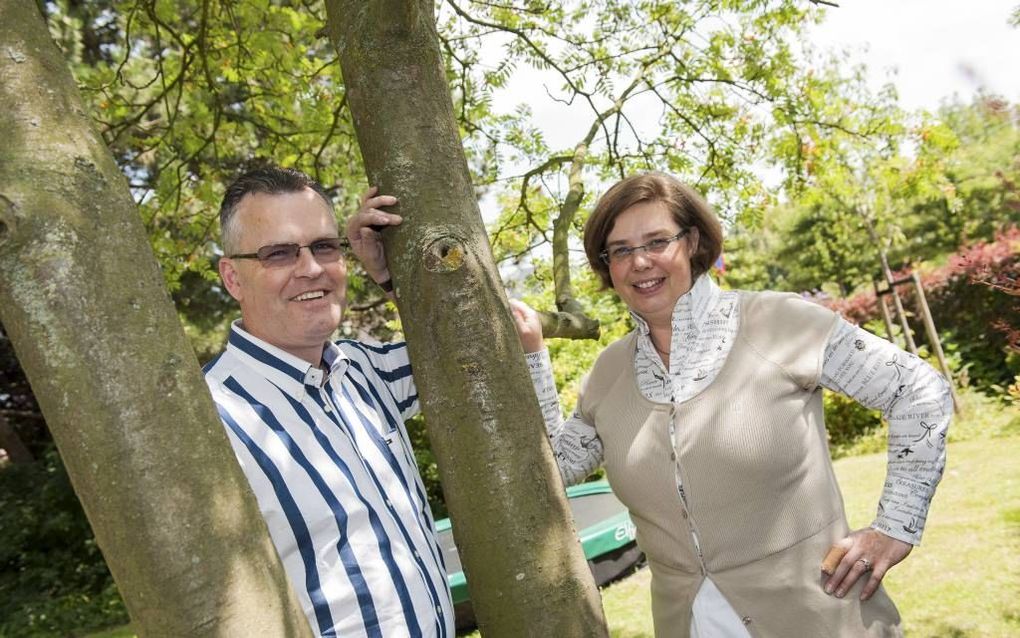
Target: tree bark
83,301
526,572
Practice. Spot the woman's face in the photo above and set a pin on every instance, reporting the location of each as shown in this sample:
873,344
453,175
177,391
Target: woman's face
650,284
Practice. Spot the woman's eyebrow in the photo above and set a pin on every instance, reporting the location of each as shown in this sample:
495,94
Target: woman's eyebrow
649,235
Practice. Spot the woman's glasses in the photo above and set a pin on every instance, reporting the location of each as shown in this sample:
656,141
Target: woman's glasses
619,254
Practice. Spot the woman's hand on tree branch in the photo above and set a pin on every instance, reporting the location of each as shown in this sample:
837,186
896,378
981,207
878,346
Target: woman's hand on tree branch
529,327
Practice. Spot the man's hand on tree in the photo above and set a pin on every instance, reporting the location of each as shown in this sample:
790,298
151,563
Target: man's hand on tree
363,232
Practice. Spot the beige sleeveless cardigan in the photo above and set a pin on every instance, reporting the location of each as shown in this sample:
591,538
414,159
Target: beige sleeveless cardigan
752,455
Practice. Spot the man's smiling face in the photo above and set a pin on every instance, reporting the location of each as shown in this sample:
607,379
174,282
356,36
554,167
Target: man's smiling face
294,307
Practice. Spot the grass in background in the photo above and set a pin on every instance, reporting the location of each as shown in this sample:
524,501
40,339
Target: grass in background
628,606
964,579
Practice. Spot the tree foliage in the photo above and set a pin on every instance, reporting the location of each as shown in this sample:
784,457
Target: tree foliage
924,186
188,93
52,575
690,88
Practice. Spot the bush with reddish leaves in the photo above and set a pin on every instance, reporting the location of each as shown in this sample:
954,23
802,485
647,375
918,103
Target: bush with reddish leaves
859,309
997,266
975,302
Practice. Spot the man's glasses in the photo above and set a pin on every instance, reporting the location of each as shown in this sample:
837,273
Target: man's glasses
324,251
620,254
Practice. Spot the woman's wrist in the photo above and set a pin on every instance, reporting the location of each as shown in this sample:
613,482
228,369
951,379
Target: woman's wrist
531,346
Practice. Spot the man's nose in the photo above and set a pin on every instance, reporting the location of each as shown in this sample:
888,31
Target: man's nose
307,265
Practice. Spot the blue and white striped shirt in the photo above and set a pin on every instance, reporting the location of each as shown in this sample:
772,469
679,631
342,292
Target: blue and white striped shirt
329,459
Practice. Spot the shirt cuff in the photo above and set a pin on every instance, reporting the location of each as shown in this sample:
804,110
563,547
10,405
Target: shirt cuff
903,510
538,358
890,529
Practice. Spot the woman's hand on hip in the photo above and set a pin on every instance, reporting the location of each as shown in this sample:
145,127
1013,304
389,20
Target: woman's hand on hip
865,553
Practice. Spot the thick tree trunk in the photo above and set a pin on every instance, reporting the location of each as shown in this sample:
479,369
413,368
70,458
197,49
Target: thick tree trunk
526,572
83,301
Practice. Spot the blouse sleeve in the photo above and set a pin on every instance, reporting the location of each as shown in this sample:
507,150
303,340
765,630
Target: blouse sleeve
916,402
575,443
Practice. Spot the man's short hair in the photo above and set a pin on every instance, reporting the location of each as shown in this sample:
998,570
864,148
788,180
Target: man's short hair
271,180
686,206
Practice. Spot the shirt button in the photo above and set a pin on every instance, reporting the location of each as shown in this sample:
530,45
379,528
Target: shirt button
672,456
325,408
746,620
685,513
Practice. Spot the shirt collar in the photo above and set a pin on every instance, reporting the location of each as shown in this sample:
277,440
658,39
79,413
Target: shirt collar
692,308
282,369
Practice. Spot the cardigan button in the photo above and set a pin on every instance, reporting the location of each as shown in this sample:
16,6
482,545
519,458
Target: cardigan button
746,620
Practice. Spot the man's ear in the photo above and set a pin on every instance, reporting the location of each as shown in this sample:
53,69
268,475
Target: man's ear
230,277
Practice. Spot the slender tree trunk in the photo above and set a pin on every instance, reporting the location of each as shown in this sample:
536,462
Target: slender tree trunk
526,572
83,301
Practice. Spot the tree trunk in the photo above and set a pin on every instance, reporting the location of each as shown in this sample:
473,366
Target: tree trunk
526,572
83,301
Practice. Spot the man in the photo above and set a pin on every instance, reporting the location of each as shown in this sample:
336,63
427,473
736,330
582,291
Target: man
318,426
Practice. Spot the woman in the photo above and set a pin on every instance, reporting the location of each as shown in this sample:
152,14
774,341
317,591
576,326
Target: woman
708,420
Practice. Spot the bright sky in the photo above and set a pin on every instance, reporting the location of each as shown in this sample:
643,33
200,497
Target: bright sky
930,49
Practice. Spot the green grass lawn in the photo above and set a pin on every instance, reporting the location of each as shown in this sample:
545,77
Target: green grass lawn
964,580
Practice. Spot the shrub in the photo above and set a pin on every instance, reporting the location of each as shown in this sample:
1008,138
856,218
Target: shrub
847,422
971,306
975,308
52,575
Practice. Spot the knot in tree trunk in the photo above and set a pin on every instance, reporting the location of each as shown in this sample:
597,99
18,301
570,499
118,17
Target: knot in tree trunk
445,254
